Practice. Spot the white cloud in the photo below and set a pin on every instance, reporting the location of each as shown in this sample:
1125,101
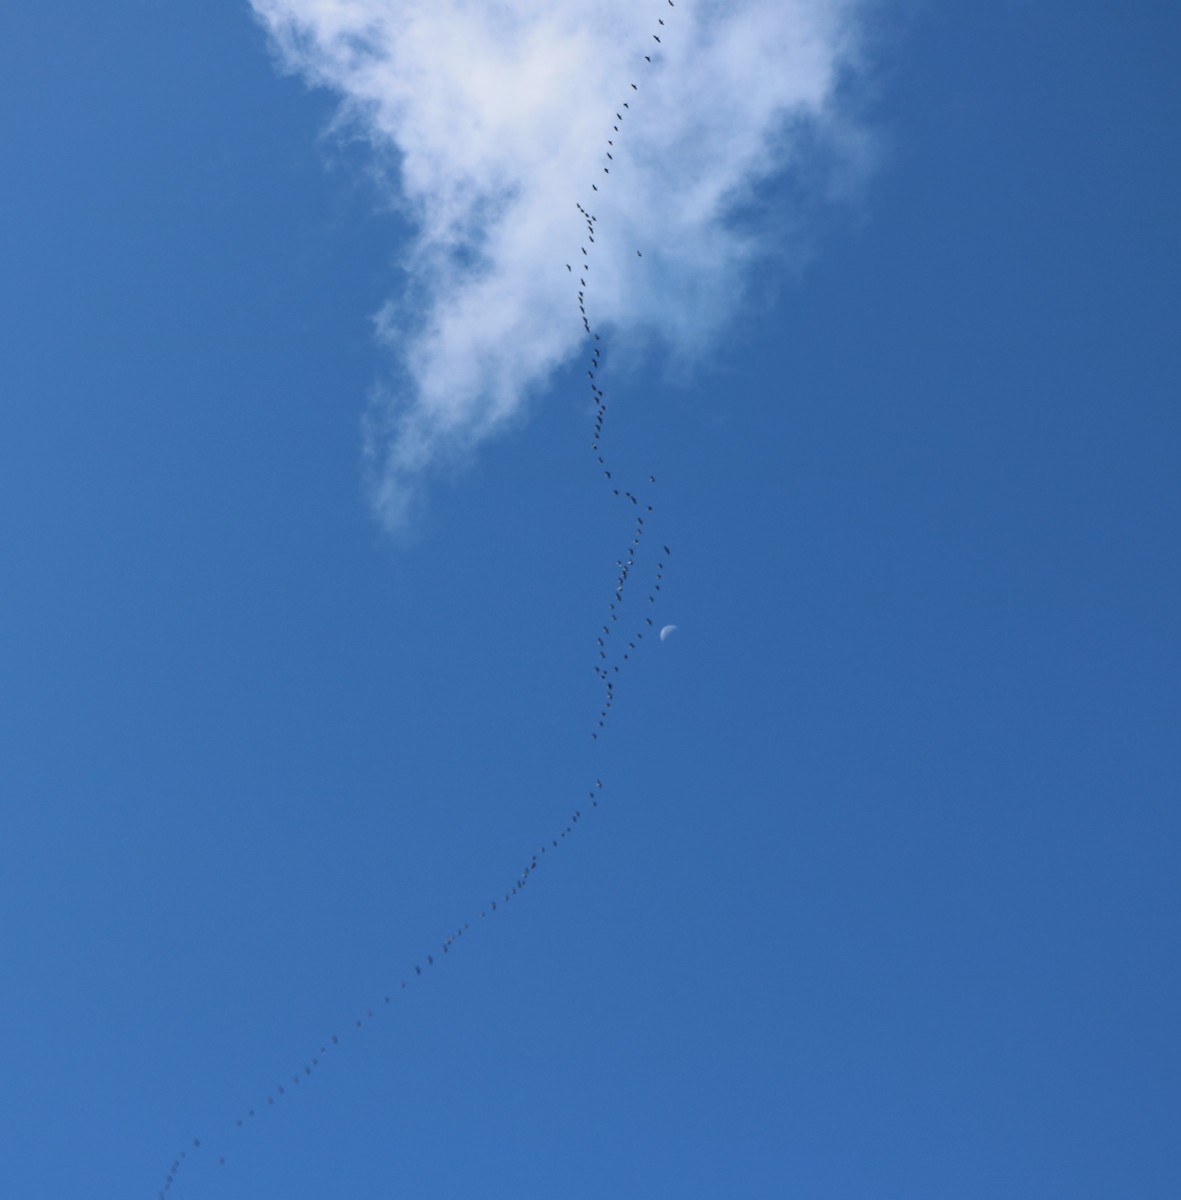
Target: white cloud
494,116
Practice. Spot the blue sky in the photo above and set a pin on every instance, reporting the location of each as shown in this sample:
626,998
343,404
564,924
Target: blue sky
881,899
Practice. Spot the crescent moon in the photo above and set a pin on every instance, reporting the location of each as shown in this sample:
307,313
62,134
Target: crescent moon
666,631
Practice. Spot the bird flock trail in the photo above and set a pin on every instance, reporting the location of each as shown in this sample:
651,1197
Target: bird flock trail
613,650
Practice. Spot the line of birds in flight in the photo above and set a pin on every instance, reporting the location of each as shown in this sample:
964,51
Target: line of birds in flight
606,669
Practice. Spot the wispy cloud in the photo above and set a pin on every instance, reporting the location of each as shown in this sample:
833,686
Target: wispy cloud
492,119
